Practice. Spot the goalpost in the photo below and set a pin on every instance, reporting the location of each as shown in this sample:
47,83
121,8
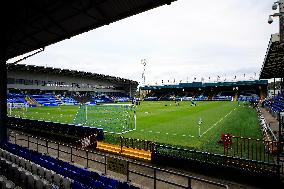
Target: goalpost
23,107
114,118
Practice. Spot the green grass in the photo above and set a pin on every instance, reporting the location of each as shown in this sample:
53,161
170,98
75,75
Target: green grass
61,114
165,122
113,118
178,125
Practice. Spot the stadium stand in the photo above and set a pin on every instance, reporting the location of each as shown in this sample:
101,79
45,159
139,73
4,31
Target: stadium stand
102,98
122,98
68,101
199,91
40,99
275,104
30,169
224,96
46,99
201,98
16,98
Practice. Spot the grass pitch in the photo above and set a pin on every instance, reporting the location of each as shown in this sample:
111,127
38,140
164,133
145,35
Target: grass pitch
170,123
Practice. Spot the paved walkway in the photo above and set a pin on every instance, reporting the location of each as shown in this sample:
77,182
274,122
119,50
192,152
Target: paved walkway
271,121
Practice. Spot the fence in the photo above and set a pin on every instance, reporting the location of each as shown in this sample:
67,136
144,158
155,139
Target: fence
187,156
254,149
158,178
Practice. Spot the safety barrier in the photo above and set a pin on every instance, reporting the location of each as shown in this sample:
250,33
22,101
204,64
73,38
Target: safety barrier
135,171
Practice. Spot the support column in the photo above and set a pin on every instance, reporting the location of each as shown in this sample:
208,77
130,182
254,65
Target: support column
274,87
3,95
281,20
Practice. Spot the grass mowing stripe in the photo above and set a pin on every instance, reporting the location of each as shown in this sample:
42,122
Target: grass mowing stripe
217,122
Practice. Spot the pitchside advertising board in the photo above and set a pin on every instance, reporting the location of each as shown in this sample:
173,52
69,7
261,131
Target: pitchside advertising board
117,165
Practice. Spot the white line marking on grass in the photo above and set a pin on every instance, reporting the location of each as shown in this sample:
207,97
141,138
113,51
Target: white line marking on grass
216,123
174,134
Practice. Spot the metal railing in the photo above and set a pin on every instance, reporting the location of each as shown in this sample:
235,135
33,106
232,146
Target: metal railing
156,176
255,149
218,159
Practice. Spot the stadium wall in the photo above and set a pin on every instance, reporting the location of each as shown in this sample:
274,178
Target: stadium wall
30,80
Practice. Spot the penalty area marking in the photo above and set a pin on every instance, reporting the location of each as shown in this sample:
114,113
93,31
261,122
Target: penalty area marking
217,122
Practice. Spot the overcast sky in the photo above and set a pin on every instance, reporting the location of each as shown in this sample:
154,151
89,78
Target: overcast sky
185,40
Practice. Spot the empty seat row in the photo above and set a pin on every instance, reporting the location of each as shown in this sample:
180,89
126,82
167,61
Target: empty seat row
275,104
79,176
27,174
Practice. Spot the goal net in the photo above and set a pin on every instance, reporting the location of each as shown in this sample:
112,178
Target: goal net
114,118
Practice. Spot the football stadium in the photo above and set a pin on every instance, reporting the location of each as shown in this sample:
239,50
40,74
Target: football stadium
70,129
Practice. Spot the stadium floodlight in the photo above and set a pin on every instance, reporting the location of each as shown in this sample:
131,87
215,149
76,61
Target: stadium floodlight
275,5
278,4
270,20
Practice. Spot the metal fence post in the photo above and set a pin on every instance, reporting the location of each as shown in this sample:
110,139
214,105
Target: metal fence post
87,154
105,165
46,146
58,150
248,146
121,144
28,141
127,179
155,182
189,183
71,154
36,144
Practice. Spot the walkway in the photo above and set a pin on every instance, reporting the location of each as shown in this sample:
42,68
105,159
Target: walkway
271,121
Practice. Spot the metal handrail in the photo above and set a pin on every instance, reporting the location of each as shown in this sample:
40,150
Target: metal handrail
154,168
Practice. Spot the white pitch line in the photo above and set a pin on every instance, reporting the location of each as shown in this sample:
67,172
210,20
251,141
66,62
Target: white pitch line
216,123
158,132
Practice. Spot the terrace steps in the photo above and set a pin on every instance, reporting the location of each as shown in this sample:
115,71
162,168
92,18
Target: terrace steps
129,152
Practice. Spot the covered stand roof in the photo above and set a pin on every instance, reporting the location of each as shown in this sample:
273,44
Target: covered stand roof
33,24
67,72
204,85
273,65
